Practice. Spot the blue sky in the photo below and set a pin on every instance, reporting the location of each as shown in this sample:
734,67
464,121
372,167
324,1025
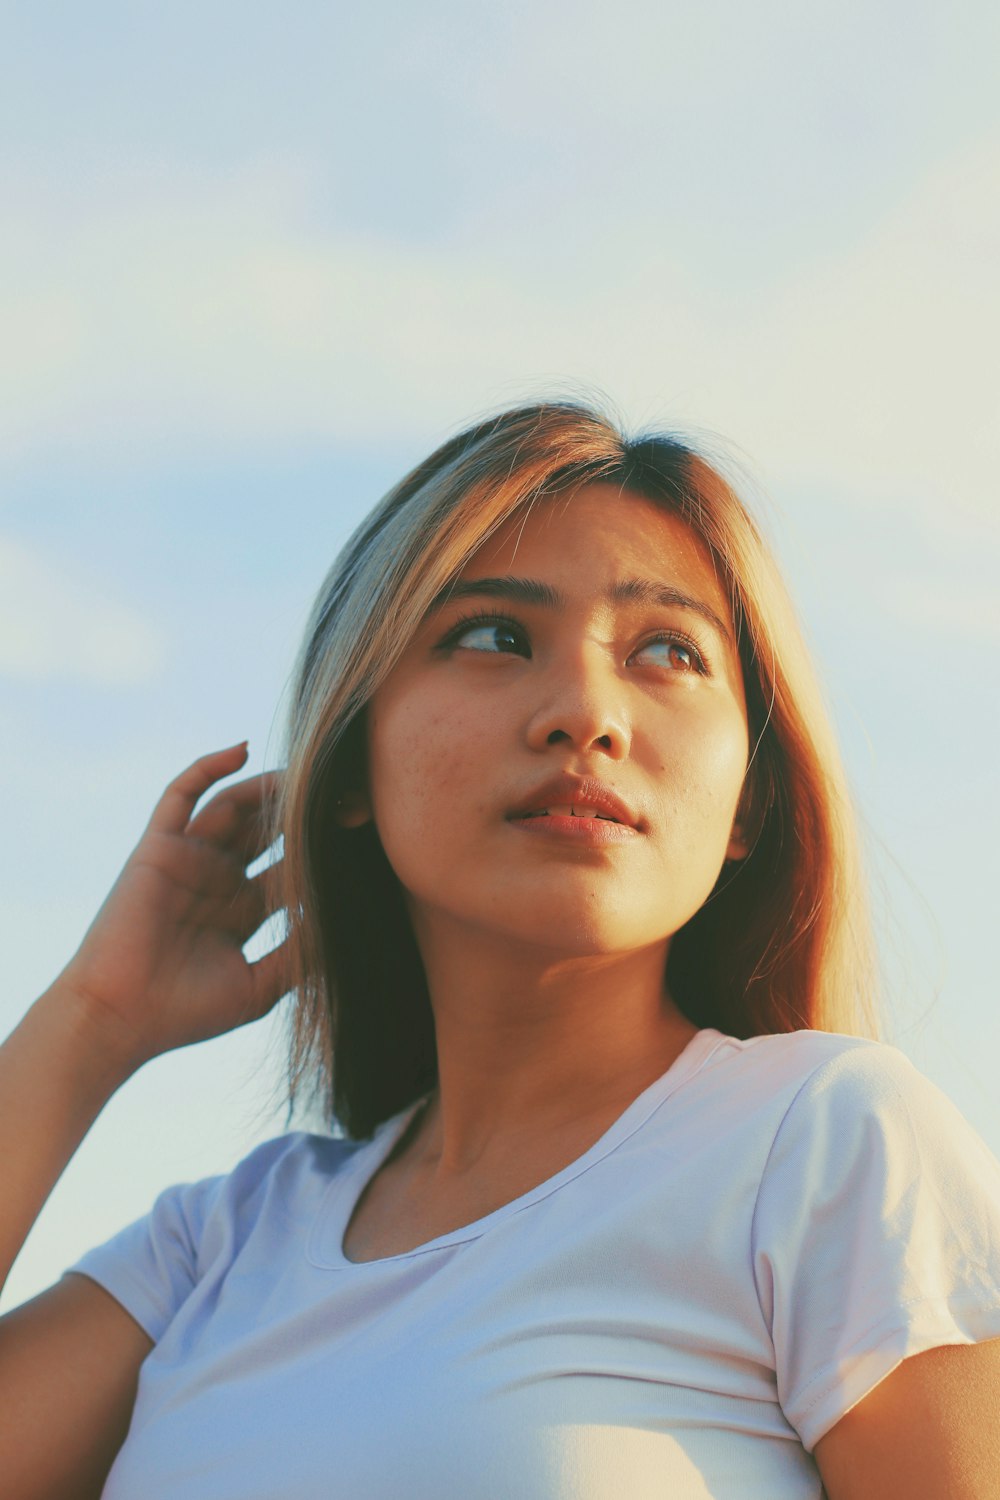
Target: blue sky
254,263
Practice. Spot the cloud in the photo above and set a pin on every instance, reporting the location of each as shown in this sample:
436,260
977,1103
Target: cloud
881,365
188,309
53,625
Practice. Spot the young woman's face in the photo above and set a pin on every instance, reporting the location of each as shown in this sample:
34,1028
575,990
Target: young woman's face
599,671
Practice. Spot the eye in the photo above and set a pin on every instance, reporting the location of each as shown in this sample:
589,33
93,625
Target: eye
679,653
492,635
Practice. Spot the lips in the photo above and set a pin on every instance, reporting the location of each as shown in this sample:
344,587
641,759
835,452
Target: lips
576,796
572,812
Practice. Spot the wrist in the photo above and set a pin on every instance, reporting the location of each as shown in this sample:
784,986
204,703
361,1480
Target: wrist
104,1052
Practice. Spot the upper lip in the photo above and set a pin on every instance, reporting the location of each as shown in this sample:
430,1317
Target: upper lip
576,791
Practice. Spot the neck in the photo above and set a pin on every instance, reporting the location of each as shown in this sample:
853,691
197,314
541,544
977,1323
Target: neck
533,1043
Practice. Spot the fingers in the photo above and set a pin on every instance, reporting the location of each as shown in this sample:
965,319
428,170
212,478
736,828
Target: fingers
173,811
271,978
253,904
235,819
203,872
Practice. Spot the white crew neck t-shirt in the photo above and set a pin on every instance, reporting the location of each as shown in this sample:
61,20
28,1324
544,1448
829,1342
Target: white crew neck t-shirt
682,1312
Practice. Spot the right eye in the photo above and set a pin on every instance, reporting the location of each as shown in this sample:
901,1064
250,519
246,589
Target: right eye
492,635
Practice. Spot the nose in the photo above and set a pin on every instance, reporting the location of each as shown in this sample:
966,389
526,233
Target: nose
582,705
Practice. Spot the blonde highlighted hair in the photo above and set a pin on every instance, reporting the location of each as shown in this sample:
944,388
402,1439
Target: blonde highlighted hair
783,941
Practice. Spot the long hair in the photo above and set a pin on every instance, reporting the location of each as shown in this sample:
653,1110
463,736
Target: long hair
783,940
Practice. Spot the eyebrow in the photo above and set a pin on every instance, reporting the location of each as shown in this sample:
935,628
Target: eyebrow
532,591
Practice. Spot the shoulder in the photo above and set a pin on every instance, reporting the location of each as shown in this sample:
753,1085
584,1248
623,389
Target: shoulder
279,1183
801,1053
765,1077
284,1169
843,1077
809,1068
297,1151
823,1108
863,1131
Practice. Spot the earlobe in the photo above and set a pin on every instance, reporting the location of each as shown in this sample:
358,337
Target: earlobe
739,845
352,811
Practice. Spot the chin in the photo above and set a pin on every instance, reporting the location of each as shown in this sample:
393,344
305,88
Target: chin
567,928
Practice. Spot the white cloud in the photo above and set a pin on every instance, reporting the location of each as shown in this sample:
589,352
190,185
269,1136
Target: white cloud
54,625
188,311
880,368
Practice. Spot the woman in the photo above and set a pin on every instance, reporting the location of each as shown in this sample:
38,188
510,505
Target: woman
624,1203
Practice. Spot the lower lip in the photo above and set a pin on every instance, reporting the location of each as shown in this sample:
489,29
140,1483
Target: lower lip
580,830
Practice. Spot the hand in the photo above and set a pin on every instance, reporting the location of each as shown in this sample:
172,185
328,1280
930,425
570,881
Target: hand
161,965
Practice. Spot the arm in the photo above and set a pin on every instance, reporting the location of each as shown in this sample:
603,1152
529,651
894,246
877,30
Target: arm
161,967
69,1359
930,1431
69,1365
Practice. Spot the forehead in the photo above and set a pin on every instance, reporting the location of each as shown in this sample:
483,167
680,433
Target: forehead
601,532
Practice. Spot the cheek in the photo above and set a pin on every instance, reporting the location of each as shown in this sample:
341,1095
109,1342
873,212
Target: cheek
430,765
705,769
725,761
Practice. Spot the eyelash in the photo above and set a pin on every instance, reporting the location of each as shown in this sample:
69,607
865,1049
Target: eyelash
486,617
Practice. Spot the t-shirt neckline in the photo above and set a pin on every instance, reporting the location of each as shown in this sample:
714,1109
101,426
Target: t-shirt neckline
326,1243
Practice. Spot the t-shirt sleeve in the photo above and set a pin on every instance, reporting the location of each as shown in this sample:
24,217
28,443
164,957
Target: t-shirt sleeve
876,1233
152,1265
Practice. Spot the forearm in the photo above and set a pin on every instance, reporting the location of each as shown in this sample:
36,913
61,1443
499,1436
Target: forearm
55,1078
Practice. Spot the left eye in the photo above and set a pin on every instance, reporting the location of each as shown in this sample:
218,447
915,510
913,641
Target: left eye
678,654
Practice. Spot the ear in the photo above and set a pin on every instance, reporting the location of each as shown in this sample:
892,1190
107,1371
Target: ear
748,820
352,810
739,842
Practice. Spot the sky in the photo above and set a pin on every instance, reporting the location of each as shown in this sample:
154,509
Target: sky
254,263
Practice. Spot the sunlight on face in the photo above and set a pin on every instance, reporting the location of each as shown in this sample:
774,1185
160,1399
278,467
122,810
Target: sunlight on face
585,671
